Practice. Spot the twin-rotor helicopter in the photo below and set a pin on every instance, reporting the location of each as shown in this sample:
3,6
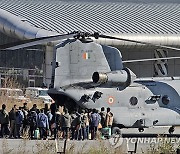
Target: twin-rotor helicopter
90,75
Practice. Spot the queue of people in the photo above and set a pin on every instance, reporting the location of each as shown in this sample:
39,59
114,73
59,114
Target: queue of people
81,124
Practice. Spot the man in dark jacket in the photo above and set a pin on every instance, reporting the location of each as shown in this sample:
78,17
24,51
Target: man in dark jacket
55,123
4,121
25,107
103,117
74,124
34,108
25,111
46,109
32,121
12,118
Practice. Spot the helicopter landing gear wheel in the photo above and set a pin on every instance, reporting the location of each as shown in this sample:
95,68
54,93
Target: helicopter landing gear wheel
171,130
141,129
116,131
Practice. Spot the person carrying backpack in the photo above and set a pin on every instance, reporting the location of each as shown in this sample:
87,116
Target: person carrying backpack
32,121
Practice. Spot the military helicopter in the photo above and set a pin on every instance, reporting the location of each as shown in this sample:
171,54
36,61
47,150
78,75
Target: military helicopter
89,75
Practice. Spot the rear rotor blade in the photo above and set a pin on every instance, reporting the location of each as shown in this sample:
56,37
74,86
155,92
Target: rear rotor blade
36,41
152,59
134,41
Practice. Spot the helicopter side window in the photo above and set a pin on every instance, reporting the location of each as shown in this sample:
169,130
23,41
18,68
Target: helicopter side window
165,99
133,100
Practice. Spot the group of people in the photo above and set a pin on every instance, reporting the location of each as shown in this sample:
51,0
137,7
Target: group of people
50,122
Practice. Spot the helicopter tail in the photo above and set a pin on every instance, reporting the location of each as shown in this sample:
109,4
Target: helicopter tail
75,62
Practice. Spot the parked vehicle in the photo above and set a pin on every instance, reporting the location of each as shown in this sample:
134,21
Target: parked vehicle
38,93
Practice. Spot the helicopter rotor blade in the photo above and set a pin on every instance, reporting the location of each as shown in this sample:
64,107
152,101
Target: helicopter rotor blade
77,34
96,35
152,59
36,41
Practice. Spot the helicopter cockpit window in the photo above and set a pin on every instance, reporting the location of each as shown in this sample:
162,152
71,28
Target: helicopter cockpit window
133,100
165,99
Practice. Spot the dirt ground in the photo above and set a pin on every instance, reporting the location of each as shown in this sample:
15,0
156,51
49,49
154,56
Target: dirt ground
11,102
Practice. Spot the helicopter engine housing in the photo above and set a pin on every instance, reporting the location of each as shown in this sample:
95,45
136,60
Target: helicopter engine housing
124,76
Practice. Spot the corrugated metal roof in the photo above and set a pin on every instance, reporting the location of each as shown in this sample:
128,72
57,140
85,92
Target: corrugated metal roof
105,17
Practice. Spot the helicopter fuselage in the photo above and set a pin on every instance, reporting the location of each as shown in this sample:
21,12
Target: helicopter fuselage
145,103
90,75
